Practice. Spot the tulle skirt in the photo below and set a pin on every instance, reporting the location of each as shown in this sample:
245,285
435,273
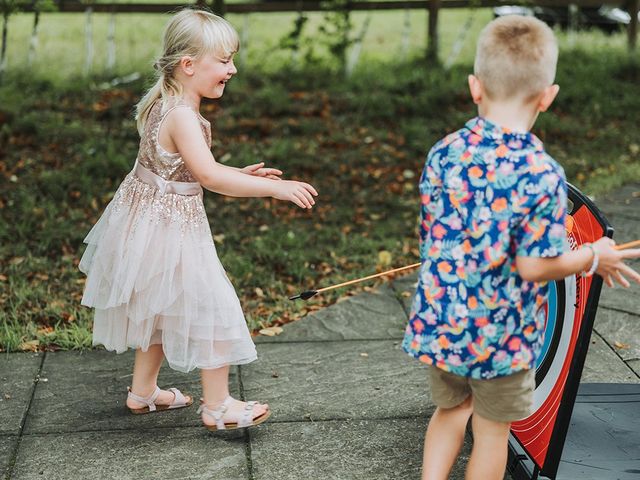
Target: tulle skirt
153,277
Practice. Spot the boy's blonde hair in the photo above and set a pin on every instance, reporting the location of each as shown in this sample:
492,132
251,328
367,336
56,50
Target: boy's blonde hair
191,33
516,57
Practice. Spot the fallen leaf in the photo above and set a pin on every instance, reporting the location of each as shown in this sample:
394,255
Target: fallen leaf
16,260
30,346
56,304
271,331
384,258
620,345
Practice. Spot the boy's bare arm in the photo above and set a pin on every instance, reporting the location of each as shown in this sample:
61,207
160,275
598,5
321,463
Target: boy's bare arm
611,264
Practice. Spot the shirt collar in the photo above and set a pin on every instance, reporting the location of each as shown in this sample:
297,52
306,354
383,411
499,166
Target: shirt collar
486,129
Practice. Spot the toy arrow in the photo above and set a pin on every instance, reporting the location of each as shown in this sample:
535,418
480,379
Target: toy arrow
310,293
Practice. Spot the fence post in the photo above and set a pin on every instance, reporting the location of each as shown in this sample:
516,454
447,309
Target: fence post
352,59
632,33
88,34
3,49
432,46
111,43
406,35
219,7
244,40
33,41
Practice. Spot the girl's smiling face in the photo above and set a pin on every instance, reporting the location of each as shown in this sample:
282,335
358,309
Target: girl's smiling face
211,73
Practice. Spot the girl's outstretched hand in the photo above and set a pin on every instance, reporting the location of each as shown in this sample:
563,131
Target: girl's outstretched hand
259,170
299,193
611,264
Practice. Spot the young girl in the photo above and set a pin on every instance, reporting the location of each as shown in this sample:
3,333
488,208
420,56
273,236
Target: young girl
153,275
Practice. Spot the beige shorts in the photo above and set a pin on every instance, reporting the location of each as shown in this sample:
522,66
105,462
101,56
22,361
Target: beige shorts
501,399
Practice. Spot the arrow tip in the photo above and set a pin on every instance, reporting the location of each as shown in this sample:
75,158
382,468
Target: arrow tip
304,295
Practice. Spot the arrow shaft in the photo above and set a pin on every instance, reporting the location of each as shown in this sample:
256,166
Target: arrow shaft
357,280
635,243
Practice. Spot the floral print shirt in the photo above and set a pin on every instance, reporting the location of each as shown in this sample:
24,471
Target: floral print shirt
487,196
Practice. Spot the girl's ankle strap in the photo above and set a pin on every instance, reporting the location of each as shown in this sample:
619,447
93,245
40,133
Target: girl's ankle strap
216,413
148,401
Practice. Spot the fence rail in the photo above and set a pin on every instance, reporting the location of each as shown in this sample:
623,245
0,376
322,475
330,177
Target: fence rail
309,5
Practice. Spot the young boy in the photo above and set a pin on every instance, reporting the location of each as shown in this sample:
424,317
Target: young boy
493,207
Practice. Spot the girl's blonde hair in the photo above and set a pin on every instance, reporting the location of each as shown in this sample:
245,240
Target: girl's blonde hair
192,33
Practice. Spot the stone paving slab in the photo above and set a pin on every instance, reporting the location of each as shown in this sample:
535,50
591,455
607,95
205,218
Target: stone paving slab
602,365
343,450
635,366
187,453
620,327
85,392
7,448
620,298
17,374
367,316
332,380
405,288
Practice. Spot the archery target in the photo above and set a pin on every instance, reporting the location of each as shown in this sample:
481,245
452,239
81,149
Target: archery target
570,311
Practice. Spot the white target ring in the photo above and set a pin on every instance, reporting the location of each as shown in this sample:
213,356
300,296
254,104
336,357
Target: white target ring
562,326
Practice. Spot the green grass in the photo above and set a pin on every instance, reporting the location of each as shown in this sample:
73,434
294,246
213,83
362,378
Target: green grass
65,144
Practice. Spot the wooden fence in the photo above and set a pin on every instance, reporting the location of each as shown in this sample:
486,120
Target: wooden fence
431,6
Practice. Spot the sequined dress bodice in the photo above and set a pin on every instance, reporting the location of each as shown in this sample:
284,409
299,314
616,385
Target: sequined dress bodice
152,156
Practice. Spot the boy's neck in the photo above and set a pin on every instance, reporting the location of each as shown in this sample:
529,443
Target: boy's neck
513,115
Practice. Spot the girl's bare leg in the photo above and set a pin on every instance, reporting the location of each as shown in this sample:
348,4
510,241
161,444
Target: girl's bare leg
215,389
145,376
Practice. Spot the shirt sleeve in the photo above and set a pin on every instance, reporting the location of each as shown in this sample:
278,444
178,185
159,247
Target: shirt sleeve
430,189
542,230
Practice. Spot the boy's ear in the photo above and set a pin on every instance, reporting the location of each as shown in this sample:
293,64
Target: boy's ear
547,97
186,64
475,87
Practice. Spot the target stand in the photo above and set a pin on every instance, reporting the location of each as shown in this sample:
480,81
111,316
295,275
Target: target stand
600,436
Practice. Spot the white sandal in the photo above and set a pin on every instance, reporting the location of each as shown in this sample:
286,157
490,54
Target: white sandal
246,419
179,401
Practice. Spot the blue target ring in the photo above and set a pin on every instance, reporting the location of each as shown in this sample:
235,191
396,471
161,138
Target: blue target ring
556,303
550,326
